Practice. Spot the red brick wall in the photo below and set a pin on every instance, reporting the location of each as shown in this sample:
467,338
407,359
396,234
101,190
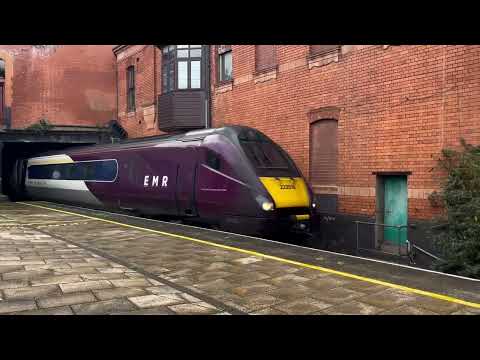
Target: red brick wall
67,85
399,106
143,121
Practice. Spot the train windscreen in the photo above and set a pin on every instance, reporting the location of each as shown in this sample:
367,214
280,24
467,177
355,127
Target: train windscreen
267,157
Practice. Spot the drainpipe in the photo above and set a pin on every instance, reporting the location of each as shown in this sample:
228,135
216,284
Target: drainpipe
208,110
155,84
116,87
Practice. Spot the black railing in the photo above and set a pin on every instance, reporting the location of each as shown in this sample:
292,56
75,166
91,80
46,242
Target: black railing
404,248
408,247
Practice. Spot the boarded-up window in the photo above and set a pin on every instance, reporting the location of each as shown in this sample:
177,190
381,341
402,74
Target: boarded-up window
322,49
323,152
265,57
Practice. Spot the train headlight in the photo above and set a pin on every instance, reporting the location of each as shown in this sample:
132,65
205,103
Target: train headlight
314,205
268,206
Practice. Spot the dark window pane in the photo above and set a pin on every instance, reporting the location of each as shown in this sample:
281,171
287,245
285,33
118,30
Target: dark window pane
130,88
171,74
213,160
165,79
267,157
2,68
105,170
102,170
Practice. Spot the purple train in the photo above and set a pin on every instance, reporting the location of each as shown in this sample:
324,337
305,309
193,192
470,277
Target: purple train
233,178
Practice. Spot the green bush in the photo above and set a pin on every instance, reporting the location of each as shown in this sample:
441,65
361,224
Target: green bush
459,241
42,126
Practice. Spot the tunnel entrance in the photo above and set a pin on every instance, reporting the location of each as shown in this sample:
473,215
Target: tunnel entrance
21,144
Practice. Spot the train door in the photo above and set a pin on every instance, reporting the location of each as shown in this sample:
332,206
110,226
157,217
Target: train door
148,182
156,179
186,183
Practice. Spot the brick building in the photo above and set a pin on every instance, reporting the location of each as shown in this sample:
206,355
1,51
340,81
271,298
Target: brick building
53,96
67,85
365,124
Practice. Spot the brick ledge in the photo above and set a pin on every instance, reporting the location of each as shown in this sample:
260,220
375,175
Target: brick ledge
265,76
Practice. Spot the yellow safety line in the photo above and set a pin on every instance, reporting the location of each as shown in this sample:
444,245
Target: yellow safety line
287,261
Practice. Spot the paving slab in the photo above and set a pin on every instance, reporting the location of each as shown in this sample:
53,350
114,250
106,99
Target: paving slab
32,292
85,286
90,266
103,307
353,308
303,306
16,305
63,310
156,300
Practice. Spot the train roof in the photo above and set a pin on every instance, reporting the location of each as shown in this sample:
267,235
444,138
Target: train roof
195,135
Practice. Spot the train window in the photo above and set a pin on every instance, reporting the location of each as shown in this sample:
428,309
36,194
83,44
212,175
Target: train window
267,157
105,170
213,160
101,170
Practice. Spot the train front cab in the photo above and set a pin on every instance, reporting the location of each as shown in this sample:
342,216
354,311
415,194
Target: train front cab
291,205
267,193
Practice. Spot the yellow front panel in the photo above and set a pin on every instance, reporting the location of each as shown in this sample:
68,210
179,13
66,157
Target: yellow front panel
287,192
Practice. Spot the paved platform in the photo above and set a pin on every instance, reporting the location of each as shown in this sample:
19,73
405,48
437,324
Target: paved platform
56,259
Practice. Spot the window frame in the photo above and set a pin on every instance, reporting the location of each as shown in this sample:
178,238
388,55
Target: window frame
131,96
3,69
68,166
2,91
221,51
170,61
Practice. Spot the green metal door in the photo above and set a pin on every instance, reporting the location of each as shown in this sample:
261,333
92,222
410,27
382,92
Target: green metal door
396,208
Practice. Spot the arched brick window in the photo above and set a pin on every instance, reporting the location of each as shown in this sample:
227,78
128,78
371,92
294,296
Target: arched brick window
323,152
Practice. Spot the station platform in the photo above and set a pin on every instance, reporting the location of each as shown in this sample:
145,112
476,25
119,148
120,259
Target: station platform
59,259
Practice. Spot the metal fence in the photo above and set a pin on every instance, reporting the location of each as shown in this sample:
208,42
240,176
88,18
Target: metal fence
379,244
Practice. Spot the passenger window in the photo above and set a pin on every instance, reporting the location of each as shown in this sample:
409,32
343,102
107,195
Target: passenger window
101,170
213,160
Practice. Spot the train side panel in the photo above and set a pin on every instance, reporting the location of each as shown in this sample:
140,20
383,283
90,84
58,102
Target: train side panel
146,181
